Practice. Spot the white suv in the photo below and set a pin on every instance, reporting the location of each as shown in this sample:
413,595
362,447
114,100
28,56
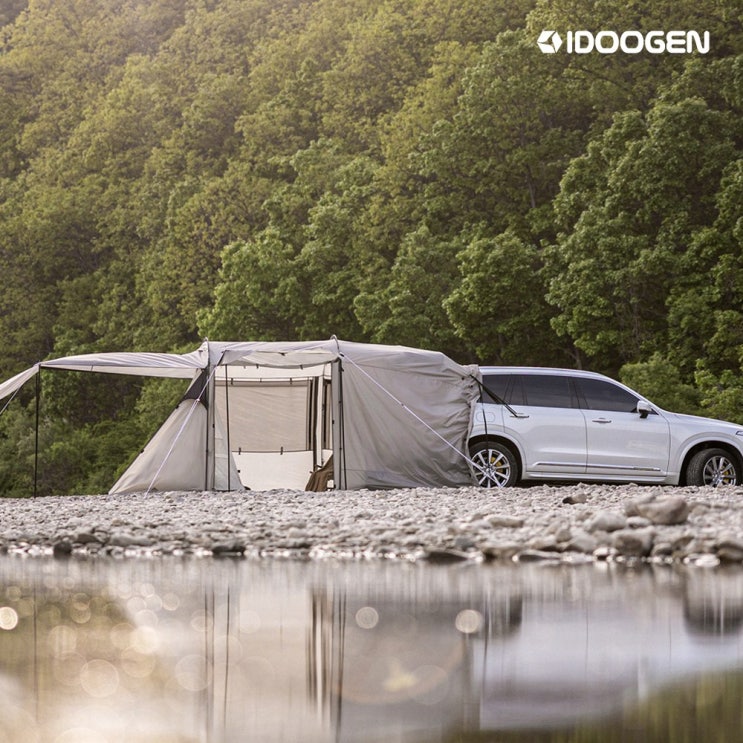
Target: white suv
559,424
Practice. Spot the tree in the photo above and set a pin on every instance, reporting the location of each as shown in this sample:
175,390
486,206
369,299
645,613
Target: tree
663,383
629,209
257,291
498,308
499,159
11,10
410,308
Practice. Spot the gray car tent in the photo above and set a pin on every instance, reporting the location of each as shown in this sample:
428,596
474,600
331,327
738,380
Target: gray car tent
265,415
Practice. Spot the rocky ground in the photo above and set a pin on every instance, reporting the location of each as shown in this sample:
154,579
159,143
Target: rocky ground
575,523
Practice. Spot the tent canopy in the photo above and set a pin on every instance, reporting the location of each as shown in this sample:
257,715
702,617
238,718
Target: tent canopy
266,414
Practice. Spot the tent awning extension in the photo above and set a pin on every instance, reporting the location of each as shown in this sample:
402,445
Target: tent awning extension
139,364
392,416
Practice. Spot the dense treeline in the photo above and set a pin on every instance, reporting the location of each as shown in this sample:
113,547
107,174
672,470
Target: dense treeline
398,171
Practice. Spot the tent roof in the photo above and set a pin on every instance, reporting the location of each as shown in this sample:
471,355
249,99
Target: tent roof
140,364
12,385
279,355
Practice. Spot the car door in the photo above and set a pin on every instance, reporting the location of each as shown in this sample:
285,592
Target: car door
620,443
548,424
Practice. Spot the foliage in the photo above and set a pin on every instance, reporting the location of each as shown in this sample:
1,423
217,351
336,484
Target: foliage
402,171
662,383
499,307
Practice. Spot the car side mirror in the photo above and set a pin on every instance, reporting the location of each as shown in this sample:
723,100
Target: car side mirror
644,408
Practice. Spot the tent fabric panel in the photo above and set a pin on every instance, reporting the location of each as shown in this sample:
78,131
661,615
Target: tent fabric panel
266,417
290,470
174,458
226,474
12,385
239,372
417,360
275,354
419,442
285,354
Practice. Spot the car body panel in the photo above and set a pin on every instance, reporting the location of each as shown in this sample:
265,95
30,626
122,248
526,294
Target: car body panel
556,436
691,431
624,444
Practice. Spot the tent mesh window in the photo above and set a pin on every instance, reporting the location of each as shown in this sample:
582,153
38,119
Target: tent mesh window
267,416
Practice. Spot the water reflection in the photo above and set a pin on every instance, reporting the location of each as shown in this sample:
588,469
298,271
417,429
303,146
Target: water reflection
204,650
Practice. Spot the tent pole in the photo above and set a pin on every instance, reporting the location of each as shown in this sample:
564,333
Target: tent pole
227,426
344,475
205,402
36,433
314,406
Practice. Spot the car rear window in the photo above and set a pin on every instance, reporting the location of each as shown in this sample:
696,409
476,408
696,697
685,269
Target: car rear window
494,383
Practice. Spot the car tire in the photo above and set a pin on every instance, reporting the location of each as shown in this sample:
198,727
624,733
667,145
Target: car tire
494,464
713,467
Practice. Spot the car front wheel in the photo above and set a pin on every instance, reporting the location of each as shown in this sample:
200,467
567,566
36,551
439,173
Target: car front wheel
494,464
713,467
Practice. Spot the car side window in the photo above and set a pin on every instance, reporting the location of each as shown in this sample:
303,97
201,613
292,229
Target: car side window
496,383
516,391
547,391
601,395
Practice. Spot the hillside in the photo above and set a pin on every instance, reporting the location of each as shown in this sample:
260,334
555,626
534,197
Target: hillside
406,171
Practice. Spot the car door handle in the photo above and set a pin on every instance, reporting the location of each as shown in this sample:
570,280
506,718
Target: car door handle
602,420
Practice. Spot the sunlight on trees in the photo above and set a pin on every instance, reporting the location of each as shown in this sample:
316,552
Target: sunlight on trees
403,171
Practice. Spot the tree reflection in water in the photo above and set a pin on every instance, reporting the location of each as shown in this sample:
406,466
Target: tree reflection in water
161,650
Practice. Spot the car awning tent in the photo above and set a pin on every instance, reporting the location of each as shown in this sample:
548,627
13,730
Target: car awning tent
264,415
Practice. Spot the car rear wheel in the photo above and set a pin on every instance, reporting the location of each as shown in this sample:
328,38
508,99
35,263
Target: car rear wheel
494,464
713,467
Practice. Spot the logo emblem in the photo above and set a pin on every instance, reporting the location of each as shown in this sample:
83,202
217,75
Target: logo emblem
583,41
549,41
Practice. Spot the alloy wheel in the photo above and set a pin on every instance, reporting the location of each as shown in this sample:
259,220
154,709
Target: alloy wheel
492,468
719,470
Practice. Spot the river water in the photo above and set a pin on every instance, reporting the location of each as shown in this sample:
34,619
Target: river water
207,650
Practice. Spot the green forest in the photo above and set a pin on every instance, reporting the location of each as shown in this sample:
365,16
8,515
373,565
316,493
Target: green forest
412,172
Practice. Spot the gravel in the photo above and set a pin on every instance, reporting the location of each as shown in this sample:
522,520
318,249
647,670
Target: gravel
575,524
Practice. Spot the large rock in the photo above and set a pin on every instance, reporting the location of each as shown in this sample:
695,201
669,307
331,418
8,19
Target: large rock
606,521
583,542
664,511
499,521
729,548
633,542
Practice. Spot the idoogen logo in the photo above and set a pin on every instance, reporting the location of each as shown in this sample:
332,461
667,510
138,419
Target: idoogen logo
549,41
629,42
